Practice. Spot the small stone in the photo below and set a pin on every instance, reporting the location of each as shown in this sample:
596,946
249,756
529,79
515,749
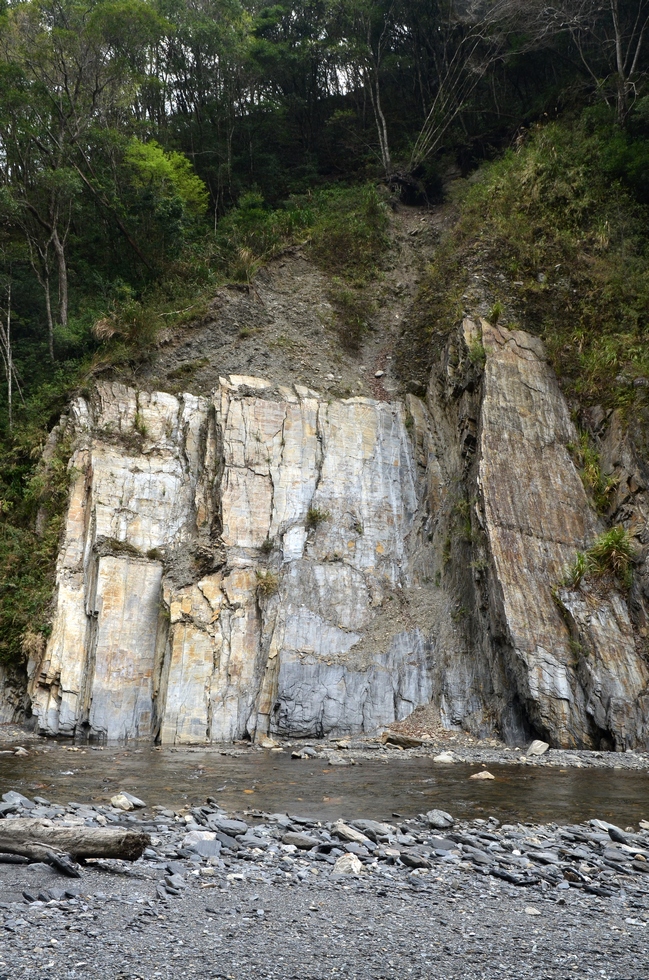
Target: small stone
379,374
194,836
538,747
175,881
413,860
439,819
347,833
227,826
444,757
121,802
21,751
348,864
139,804
265,742
302,841
485,774
373,829
531,911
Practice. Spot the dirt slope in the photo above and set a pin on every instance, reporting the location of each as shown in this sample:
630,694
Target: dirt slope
285,328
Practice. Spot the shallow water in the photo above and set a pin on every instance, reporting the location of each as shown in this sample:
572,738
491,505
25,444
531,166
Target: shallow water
373,788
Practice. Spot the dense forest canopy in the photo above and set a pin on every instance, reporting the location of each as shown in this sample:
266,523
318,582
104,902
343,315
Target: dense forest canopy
150,149
128,128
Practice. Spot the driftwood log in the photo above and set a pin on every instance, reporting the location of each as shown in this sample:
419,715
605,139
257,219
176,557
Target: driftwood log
36,840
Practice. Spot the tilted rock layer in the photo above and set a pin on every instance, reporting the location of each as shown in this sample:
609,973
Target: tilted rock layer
265,561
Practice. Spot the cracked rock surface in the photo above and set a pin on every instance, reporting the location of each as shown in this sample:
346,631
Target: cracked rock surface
264,560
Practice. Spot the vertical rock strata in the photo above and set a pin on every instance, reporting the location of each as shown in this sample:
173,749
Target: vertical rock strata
580,687
222,560
265,561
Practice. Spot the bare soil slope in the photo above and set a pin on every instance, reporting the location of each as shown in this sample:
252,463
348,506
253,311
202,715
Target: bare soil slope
285,328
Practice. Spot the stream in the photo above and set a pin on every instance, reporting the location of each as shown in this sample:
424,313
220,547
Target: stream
273,782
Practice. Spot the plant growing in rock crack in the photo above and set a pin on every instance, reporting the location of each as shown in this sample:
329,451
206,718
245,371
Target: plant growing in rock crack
267,583
612,554
462,512
139,425
600,487
316,516
495,312
267,546
477,354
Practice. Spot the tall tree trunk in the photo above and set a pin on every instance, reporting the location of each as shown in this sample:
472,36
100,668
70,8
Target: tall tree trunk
59,248
381,125
10,365
48,311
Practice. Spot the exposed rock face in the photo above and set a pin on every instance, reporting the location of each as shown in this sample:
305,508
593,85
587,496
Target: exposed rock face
264,561
224,558
562,665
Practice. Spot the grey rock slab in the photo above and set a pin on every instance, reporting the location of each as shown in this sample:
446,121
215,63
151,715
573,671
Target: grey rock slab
414,860
17,798
439,819
227,826
133,799
303,842
207,848
347,833
175,881
373,829
537,748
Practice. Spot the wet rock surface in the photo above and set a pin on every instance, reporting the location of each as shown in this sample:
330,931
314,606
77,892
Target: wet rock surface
287,896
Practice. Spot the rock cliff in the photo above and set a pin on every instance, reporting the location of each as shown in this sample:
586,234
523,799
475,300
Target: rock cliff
264,560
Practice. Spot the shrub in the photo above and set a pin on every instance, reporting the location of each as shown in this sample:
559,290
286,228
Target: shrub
560,229
348,235
477,353
599,486
611,554
352,309
267,583
315,516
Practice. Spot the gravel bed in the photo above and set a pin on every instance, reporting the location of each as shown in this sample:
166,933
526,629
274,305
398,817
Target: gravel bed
281,896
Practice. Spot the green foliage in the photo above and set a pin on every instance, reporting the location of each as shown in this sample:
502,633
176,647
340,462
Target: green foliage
29,540
349,231
166,173
352,309
477,353
552,224
612,554
343,229
315,516
495,312
599,486
267,583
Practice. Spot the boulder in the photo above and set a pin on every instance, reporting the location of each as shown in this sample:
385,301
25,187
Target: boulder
439,819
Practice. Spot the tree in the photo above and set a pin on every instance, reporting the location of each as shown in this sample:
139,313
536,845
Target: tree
610,38
65,70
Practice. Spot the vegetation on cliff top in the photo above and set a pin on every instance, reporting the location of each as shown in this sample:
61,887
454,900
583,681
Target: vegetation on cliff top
557,231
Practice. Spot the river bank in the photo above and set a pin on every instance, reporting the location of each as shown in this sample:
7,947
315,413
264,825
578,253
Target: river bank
221,895
349,778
